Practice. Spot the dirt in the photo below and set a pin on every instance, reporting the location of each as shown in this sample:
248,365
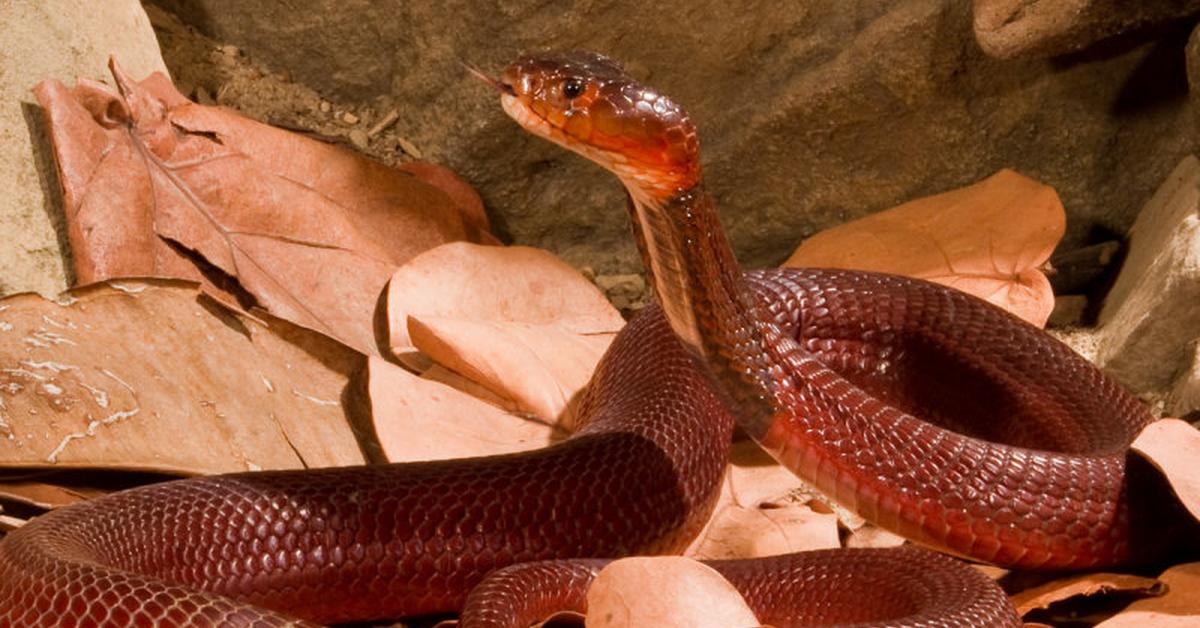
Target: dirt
217,73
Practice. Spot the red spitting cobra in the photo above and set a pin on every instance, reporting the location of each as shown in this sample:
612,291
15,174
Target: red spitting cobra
928,411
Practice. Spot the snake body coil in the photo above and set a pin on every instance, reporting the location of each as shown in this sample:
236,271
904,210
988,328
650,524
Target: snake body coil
928,411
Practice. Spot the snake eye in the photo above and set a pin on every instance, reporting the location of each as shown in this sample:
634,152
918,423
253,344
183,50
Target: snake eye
572,87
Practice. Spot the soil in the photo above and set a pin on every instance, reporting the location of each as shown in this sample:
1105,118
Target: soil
215,73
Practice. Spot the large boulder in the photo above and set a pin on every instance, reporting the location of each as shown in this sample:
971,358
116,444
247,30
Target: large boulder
41,40
1150,321
811,113
1013,28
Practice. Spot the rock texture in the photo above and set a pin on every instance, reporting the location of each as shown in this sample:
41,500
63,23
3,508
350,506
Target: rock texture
1192,55
811,113
1015,28
1184,400
41,40
1150,320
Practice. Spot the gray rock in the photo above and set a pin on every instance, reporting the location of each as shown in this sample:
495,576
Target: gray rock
1184,400
61,40
812,113
625,291
1150,319
1016,28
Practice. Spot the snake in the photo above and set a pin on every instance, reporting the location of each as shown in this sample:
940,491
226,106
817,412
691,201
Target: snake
927,411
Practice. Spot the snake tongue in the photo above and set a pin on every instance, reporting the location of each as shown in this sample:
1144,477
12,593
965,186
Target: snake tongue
496,84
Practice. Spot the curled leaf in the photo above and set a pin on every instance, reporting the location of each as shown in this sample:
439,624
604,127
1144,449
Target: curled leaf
1173,446
989,239
418,419
517,321
539,367
1084,585
1179,607
510,284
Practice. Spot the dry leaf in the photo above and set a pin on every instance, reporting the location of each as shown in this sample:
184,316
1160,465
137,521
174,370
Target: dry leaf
8,523
511,284
539,367
152,181
871,535
464,196
991,571
1173,446
154,375
756,514
43,495
665,591
442,375
1179,607
988,239
756,478
418,419
1083,585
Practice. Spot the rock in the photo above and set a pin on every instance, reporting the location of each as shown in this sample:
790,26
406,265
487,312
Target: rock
1082,340
43,40
1084,269
625,291
409,148
1068,311
1184,400
1150,317
1192,56
203,97
1043,28
624,283
811,113
359,138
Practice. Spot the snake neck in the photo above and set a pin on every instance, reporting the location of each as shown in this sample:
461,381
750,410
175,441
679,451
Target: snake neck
699,285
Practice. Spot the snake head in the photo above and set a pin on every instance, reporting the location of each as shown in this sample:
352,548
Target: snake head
587,103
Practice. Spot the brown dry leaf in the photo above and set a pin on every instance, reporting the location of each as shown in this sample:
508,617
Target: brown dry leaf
154,375
991,571
1173,446
8,523
665,591
156,185
988,239
464,196
45,496
1179,607
511,284
418,419
871,535
539,367
757,514
517,321
1083,585
442,375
